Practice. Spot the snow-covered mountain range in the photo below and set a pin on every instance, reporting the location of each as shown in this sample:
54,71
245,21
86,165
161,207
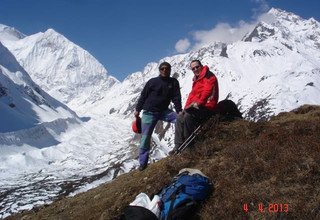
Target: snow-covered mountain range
274,68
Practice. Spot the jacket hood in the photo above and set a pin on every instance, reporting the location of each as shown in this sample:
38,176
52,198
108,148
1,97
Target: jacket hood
202,73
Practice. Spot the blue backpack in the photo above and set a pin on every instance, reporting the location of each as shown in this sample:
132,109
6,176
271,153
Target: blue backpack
180,198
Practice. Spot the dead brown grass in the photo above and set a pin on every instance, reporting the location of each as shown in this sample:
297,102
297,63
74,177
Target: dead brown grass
264,163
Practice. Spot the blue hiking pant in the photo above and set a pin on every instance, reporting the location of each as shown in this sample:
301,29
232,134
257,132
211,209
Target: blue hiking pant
148,123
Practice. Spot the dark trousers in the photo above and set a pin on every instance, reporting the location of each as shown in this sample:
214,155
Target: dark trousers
187,122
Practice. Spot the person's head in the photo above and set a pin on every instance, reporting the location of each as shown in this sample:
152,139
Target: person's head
165,69
196,67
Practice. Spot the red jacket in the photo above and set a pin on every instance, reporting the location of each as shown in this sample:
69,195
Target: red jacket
205,91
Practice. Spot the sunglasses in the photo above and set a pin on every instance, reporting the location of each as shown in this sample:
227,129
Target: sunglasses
195,68
164,68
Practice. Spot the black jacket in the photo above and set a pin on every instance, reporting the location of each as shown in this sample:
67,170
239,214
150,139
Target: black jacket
158,93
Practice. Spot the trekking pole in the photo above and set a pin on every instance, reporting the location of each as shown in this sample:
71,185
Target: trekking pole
186,143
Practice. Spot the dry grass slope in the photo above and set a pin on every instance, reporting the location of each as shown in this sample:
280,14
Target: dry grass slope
258,164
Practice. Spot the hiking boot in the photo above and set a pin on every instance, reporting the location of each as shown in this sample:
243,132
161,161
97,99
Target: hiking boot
142,166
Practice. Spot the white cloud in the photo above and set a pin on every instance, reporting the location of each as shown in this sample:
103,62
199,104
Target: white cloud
225,32
182,45
222,32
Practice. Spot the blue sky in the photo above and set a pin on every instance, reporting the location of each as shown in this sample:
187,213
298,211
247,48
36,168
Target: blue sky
124,35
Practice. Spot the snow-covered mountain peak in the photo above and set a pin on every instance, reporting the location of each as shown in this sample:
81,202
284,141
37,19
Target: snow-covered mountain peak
291,30
23,104
51,31
56,38
261,32
63,69
291,21
9,33
314,22
286,17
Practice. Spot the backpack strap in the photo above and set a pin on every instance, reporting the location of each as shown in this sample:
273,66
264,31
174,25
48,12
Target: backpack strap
171,191
171,207
177,207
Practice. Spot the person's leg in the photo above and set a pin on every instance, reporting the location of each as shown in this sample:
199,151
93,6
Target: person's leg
190,124
179,132
148,122
168,116
185,125
193,119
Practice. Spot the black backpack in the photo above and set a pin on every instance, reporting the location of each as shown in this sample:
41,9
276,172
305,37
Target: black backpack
137,213
228,110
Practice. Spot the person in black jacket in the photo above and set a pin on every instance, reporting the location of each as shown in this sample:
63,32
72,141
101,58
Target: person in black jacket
154,100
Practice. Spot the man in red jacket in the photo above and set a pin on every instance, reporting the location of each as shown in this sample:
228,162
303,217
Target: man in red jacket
200,105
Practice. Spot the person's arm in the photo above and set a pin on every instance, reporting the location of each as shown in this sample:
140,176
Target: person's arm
177,97
207,91
142,99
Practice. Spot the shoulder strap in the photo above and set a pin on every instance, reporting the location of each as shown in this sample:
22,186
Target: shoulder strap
171,191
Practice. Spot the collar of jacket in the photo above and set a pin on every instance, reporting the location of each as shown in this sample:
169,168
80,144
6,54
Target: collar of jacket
202,73
163,77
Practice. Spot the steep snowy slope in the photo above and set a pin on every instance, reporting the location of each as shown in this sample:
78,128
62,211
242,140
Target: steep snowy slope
45,150
9,33
63,69
23,103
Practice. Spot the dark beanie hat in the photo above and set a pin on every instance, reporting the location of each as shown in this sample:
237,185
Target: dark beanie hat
164,64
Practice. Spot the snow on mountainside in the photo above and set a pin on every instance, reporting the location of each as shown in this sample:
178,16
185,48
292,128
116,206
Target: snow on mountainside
61,68
23,103
276,67
45,150
9,33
